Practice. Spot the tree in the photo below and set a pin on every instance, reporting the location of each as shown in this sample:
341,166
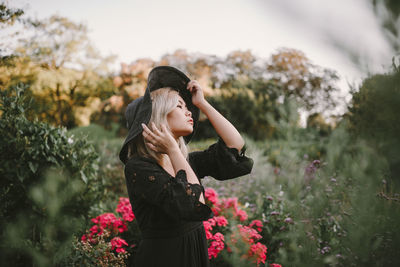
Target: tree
373,113
68,77
312,86
8,16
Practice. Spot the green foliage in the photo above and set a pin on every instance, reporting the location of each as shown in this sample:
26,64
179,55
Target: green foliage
41,233
68,77
111,170
9,15
30,199
374,115
343,210
248,106
99,254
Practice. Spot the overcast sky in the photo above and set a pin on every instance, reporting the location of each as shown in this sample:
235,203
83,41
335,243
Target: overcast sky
133,29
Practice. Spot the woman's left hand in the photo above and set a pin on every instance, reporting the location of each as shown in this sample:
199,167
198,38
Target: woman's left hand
197,92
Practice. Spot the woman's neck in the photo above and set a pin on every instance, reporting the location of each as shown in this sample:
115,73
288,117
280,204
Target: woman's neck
166,164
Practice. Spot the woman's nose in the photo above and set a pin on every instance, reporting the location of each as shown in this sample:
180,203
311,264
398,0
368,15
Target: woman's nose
188,113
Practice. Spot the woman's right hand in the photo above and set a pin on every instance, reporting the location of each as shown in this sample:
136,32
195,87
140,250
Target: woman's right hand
160,141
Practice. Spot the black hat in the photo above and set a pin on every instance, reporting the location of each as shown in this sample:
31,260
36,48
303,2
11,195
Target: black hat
139,110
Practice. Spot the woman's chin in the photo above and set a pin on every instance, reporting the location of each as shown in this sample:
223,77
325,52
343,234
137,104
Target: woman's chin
186,132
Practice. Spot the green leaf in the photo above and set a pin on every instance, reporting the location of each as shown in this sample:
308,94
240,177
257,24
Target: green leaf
33,166
83,177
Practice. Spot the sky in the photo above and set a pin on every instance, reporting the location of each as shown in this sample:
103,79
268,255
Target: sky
132,29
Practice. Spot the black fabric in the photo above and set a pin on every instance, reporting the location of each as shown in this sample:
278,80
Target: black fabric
168,210
220,162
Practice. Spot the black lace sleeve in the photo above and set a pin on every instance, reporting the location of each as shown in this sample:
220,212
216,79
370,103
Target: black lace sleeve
174,195
220,162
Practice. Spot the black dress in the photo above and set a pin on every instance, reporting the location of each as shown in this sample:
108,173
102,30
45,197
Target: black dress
167,208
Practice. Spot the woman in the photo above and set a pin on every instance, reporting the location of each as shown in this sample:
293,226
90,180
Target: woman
163,179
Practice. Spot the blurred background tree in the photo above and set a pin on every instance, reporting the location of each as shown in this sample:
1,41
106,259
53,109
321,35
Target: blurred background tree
68,77
8,16
245,88
374,115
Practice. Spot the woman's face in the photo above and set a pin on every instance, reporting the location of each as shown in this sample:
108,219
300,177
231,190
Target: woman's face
180,120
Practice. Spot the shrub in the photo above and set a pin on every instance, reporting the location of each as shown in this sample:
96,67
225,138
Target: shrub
28,150
108,241
374,115
249,107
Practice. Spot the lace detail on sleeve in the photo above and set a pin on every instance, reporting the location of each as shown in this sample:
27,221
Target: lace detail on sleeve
174,195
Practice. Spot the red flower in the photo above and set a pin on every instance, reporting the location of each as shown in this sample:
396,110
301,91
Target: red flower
208,228
216,246
257,224
211,195
124,207
219,237
231,202
108,221
117,243
259,251
248,234
275,265
221,220
241,214
207,225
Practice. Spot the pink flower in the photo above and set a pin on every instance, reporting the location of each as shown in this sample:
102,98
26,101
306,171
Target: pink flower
241,214
216,209
124,207
208,228
96,230
219,237
248,234
258,251
212,221
257,224
84,238
207,225
216,246
211,195
209,235
275,265
108,221
231,202
119,250
221,220
117,243
288,220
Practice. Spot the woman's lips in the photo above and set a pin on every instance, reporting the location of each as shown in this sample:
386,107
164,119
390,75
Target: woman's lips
190,121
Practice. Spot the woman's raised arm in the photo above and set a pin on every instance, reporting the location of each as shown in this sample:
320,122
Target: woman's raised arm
222,126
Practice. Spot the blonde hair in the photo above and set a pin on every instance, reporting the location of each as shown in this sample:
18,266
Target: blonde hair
164,100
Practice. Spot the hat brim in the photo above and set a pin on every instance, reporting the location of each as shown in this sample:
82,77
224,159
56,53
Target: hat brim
159,77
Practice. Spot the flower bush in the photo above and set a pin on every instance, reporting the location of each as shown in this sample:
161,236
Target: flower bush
230,232
99,251
104,237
